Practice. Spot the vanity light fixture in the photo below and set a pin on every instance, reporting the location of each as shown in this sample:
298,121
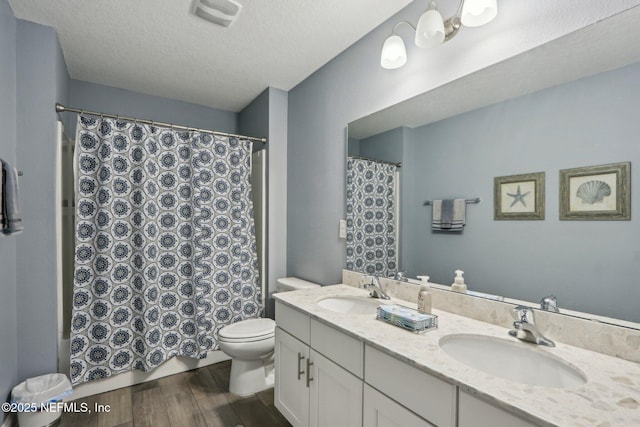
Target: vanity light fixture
433,30
394,53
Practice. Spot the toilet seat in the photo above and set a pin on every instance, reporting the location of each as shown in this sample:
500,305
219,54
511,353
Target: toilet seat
249,330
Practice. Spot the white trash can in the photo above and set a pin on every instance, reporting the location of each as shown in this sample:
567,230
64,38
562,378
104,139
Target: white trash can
32,398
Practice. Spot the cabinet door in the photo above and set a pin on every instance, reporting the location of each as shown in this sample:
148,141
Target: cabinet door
335,395
291,395
380,411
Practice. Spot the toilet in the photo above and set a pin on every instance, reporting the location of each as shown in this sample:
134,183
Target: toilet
250,344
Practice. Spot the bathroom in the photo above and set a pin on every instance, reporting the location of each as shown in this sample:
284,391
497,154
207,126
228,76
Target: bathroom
305,120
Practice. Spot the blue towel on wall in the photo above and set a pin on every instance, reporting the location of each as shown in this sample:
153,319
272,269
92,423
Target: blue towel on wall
448,215
10,202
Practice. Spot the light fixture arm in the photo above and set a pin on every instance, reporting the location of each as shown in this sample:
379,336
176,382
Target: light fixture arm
402,22
453,24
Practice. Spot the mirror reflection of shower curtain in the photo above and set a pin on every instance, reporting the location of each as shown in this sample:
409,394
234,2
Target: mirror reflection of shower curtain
372,217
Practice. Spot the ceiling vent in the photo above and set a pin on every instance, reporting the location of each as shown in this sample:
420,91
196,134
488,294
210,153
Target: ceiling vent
221,12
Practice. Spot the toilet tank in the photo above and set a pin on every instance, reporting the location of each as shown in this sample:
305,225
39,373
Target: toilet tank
286,284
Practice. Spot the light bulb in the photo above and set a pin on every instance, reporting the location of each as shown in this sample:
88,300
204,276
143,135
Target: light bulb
394,53
430,31
478,12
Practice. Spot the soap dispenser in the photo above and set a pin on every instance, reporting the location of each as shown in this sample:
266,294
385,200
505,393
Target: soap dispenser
458,284
424,296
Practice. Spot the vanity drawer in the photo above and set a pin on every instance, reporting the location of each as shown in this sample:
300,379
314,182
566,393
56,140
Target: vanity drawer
292,321
341,348
429,397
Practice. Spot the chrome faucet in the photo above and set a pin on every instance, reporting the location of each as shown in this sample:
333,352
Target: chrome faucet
401,276
525,327
376,289
549,303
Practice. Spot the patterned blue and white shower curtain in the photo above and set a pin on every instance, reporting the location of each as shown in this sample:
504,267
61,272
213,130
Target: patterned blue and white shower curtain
371,217
165,245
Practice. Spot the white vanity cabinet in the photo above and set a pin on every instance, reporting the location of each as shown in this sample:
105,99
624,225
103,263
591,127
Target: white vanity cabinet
311,389
327,378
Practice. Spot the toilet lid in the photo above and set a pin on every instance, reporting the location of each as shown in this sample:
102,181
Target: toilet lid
246,329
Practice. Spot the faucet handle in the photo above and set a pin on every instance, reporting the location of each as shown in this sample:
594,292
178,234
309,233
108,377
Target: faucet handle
367,281
400,276
549,303
523,314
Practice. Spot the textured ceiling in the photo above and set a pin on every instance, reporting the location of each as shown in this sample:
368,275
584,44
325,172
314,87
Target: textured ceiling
158,47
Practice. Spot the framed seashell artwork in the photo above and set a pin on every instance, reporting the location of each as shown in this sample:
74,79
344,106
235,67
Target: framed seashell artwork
519,197
596,193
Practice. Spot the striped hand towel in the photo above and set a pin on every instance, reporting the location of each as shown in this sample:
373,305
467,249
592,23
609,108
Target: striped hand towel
449,215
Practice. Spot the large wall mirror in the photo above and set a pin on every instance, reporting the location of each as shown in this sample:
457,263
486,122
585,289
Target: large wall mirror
572,103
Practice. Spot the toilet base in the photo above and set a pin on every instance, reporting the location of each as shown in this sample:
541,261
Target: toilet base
251,376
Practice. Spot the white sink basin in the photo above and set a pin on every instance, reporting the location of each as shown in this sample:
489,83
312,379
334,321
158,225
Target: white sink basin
515,361
351,305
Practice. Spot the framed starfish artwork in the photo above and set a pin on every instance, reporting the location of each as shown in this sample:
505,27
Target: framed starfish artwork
595,193
519,197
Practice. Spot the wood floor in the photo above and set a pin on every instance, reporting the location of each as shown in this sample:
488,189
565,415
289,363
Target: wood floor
197,398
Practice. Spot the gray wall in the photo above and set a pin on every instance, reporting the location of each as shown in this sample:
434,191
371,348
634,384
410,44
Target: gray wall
350,86
267,116
353,146
253,120
590,265
8,312
107,99
386,146
41,81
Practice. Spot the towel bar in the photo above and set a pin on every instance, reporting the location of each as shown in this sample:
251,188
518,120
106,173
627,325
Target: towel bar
476,200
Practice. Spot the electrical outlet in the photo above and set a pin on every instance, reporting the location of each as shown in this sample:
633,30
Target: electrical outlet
343,229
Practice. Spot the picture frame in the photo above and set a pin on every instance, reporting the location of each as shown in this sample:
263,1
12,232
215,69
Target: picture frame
596,193
519,197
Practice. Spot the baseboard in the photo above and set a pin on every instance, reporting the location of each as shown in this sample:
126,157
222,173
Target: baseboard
126,379
10,420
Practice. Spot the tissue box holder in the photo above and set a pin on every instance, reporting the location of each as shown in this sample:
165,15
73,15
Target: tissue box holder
407,318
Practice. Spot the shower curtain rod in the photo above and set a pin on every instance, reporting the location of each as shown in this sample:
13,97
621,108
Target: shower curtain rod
399,165
61,109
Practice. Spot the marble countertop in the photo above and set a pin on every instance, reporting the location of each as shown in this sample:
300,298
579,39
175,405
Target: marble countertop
611,396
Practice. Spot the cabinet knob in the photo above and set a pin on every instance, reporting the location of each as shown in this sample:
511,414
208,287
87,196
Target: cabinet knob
309,377
300,359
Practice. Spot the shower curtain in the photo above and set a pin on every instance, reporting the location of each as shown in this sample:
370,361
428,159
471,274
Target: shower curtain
371,221
165,245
